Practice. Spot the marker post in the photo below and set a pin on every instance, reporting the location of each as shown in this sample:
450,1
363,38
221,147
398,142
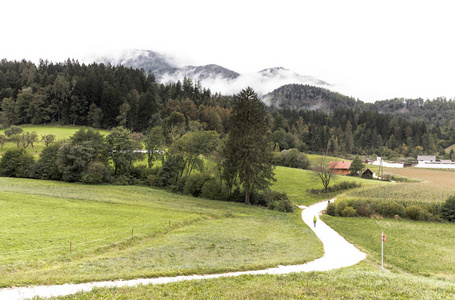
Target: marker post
382,251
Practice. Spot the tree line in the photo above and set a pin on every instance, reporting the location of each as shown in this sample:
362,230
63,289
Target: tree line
105,96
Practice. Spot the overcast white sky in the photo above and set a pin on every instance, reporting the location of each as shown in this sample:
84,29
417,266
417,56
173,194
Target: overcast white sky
371,50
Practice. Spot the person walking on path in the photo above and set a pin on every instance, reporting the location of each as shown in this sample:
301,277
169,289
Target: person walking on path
314,220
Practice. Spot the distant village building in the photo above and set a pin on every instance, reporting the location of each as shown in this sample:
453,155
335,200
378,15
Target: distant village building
430,162
380,162
426,159
340,167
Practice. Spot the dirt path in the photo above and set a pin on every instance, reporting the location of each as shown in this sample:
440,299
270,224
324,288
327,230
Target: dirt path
338,253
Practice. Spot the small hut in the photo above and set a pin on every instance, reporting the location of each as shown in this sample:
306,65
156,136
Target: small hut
367,174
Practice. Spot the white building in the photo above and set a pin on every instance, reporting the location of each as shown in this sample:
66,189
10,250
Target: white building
380,162
430,162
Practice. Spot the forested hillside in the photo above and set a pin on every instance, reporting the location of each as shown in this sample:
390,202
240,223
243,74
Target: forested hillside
301,116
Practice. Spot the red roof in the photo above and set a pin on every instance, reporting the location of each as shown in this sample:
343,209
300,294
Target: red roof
339,165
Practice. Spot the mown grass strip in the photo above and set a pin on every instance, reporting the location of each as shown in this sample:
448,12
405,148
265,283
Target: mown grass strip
359,282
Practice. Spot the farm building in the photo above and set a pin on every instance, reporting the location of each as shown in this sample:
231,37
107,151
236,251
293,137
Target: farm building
422,159
367,174
430,162
340,167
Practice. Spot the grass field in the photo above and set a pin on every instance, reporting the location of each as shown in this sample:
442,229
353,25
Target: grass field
172,234
432,186
60,132
358,282
296,183
422,248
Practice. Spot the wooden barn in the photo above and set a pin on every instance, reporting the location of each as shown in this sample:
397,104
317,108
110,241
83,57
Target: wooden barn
340,167
367,174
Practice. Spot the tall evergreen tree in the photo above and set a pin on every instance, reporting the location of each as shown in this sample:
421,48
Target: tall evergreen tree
247,147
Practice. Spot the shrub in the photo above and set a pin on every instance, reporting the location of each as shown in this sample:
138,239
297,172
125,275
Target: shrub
96,173
153,180
278,201
194,183
140,172
180,185
13,130
448,209
259,199
415,212
331,208
292,158
16,163
390,209
212,189
348,211
236,196
363,210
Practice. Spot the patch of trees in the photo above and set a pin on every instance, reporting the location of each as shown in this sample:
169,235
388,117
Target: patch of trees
103,96
233,167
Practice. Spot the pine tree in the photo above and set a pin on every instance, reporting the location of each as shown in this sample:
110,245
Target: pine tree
248,150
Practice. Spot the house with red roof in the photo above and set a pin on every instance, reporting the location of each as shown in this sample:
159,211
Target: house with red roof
340,167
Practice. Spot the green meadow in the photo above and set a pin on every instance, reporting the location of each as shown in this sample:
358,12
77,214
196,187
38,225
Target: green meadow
55,232
296,183
60,132
422,248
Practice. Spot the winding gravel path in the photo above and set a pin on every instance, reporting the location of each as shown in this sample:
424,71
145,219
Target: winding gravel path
338,253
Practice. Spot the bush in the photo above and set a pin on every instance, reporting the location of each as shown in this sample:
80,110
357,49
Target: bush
331,208
363,210
96,173
259,199
140,172
16,163
212,189
293,158
236,196
390,209
415,212
344,185
278,201
448,209
13,130
194,183
348,211
153,180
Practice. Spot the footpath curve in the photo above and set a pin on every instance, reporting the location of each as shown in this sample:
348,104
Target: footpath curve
338,253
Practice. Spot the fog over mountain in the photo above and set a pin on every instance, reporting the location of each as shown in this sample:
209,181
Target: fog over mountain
212,76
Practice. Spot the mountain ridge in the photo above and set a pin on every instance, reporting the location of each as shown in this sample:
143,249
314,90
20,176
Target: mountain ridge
215,77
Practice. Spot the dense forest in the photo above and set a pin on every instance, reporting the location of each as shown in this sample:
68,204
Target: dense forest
308,118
